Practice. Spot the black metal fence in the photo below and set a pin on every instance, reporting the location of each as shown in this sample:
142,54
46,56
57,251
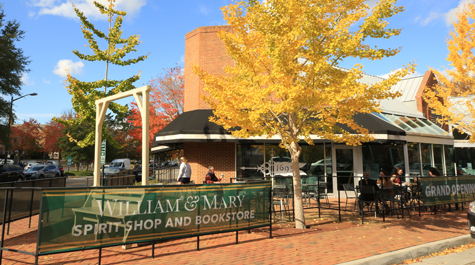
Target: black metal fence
166,175
126,180
24,199
9,200
340,194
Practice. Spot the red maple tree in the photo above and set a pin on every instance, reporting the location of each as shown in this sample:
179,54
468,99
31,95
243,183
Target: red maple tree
52,131
166,103
27,137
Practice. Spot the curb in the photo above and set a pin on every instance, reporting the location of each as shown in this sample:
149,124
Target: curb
399,256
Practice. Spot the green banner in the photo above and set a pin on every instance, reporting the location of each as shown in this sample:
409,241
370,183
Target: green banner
446,190
74,219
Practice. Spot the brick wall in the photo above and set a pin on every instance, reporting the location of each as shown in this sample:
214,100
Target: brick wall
220,155
204,48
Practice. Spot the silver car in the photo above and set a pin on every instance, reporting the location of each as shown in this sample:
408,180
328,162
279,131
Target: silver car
42,171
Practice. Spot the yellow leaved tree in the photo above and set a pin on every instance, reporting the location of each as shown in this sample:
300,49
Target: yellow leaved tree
452,98
286,80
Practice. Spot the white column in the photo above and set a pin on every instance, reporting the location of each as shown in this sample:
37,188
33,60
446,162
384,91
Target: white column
145,138
101,109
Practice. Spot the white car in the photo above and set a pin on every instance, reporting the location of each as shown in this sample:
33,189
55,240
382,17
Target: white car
9,161
30,164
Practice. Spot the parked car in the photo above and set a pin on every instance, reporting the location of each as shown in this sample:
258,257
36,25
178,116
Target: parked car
116,171
11,173
56,163
30,164
42,171
9,161
471,219
138,172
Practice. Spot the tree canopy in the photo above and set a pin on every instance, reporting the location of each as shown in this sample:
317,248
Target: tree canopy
13,65
286,80
84,94
452,99
166,103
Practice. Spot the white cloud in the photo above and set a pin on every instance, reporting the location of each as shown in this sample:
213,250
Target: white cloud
182,58
203,10
63,67
25,80
65,8
46,81
407,76
432,16
451,16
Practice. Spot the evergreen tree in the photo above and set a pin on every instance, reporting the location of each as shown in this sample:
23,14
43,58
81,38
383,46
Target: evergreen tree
12,65
86,93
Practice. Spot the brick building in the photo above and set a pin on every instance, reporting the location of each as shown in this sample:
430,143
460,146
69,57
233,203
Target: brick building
404,136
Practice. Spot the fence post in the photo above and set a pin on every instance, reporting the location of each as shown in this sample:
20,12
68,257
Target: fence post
5,205
9,213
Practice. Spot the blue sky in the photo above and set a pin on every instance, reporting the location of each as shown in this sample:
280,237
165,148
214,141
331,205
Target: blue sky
53,31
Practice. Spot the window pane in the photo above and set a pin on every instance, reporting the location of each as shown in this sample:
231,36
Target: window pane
384,157
465,161
248,158
438,158
449,160
426,158
414,161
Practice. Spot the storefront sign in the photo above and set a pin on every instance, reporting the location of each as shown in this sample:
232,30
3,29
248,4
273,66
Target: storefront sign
445,190
273,168
73,219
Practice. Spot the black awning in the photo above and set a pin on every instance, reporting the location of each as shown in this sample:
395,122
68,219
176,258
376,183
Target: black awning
194,126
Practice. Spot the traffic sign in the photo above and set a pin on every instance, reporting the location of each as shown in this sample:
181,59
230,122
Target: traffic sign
103,152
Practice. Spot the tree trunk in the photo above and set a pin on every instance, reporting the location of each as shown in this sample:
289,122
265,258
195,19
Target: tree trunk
295,151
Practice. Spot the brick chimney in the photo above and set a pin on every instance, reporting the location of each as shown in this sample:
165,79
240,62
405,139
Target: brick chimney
204,48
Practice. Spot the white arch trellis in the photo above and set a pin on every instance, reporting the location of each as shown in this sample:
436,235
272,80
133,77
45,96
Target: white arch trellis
101,109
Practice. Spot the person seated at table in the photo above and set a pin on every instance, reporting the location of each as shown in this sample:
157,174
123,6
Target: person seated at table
398,177
366,181
211,177
433,172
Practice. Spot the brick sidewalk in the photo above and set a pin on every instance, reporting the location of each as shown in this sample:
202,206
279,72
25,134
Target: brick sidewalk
325,242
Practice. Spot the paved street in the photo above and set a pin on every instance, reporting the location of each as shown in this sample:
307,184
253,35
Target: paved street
79,182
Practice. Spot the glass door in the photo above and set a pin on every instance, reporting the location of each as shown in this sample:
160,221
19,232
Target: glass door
343,166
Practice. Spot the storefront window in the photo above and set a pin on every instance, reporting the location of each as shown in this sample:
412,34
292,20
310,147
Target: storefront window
426,154
414,161
311,159
465,161
438,158
249,157
449,160
385,157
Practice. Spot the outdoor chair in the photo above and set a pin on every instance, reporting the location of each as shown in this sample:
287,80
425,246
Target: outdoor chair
368,192
280,198
350,188
402,194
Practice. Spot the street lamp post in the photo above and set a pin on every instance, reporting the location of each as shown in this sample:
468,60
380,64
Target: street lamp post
10,121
